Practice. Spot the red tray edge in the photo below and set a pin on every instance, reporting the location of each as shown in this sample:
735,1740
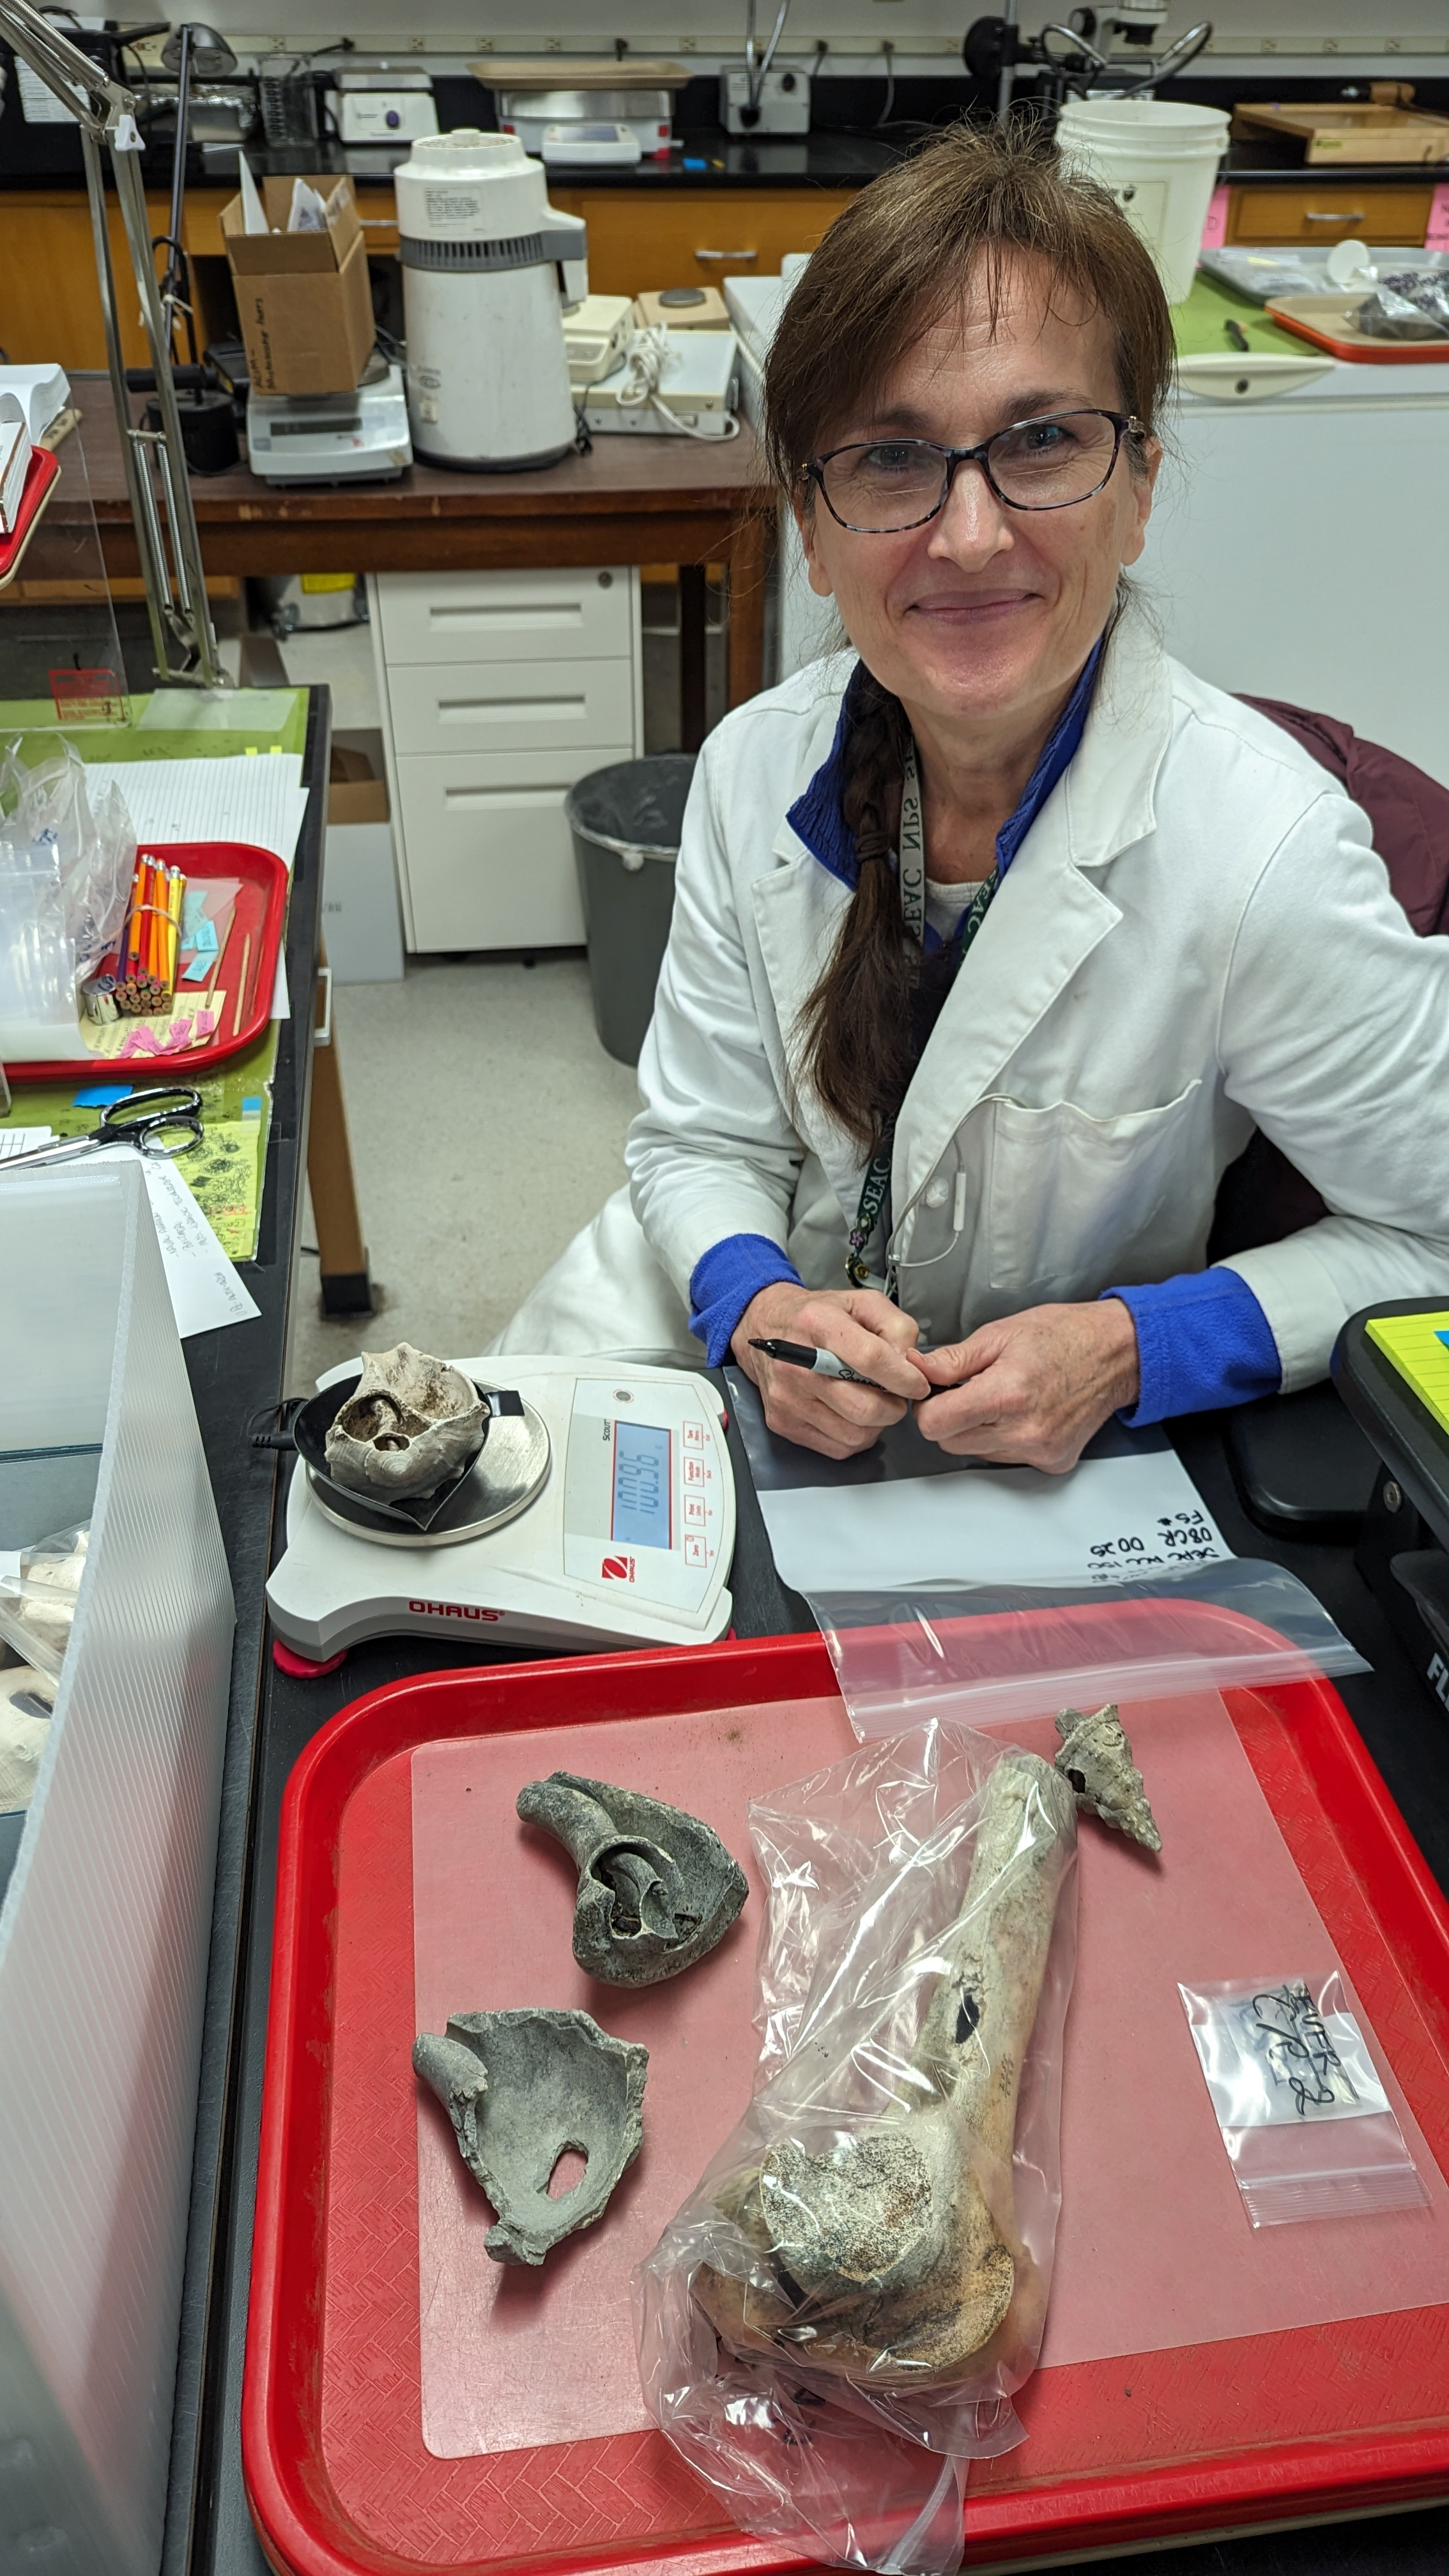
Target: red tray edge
198,1059
1361,2474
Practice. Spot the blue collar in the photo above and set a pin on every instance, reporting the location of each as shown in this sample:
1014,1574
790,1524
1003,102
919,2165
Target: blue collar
817,817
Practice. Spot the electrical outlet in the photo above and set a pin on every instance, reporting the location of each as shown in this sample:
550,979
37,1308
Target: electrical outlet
483,44
689,44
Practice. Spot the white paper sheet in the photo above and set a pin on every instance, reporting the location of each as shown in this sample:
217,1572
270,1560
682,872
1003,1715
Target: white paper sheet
1109,1520
18,1140
205,1290
251,796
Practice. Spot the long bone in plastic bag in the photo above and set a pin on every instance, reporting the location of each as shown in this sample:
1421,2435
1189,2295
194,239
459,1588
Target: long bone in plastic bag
894,2255
840,2315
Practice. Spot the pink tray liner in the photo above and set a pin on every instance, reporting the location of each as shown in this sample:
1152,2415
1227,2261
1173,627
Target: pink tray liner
1154,2249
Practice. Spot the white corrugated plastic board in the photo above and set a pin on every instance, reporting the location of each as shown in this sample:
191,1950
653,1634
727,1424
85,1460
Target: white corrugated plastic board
105,1927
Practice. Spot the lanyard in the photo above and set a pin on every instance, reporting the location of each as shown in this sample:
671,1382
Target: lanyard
912,874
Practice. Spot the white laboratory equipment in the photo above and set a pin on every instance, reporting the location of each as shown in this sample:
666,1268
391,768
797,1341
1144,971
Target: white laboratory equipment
599,1512
488,269
331,438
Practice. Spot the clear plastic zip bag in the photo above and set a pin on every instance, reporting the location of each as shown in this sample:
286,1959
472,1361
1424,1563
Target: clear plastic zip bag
1309,2130
38,1600
839,2317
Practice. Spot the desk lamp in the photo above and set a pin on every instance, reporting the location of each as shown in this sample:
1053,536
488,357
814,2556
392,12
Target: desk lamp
206,412
182,635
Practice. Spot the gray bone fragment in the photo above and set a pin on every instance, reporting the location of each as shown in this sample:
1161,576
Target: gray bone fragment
657,1889
1096,1761
520,2089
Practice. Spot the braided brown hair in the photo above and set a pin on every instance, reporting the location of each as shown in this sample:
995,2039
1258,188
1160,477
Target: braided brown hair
886,273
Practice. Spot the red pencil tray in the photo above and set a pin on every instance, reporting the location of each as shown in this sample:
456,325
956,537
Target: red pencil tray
40,476
261,911
1359,2412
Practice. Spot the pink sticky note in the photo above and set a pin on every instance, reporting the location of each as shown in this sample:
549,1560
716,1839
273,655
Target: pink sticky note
1437,236
1215,230
205,1026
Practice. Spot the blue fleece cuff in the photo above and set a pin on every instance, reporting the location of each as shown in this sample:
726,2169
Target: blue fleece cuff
1202,1340
723,1281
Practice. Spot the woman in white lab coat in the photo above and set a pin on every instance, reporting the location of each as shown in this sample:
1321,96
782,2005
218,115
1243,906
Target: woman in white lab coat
996,935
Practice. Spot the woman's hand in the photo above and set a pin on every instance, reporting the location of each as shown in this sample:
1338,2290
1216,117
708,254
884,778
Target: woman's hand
862,1328
1030,1390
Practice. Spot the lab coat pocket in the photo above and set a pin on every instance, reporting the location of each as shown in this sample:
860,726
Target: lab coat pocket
1076,1203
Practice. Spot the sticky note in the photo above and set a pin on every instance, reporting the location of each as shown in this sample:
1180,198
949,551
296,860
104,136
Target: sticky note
1437,236
1418,1346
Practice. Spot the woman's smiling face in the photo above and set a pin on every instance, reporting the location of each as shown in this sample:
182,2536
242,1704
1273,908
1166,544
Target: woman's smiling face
986,612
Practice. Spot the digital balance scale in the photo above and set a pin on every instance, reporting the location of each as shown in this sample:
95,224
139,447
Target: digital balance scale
600,1511
331,438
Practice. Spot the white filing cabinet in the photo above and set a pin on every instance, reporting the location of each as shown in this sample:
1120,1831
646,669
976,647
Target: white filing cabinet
498,690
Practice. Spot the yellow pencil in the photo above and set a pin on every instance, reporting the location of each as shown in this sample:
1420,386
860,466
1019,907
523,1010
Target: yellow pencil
241,984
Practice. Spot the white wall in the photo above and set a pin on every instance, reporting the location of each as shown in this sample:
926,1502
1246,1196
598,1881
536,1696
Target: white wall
925,33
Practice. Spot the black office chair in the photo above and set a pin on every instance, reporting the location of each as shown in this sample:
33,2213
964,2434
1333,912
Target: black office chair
1302,1467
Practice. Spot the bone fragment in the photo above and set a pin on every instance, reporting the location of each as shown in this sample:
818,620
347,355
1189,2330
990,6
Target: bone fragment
895,2257
520,2089
409,1424
657,1888
1096,1759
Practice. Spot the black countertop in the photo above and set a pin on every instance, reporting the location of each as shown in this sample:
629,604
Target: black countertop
235,1373
209,2531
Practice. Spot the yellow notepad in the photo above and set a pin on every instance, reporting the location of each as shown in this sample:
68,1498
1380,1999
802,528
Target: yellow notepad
1418,1346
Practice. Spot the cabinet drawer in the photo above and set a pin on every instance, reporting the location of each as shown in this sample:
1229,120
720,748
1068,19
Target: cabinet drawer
1329,210
505,616
488,856
510,706
695,237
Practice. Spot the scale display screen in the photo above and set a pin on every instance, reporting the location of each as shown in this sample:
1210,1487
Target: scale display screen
641,1514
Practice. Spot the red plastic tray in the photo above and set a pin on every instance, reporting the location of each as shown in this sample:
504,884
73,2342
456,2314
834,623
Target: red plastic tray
40,477
1364,353
1316,2422
260,912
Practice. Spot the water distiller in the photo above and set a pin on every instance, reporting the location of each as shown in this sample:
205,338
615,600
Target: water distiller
489,270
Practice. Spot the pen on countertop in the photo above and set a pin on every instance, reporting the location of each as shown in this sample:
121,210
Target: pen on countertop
824,1363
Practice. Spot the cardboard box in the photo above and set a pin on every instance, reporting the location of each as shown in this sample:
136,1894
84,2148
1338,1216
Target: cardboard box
304,300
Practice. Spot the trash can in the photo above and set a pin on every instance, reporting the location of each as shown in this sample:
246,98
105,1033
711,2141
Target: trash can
626,822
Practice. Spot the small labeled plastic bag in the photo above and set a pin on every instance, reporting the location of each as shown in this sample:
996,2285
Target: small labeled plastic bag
1309,2129
837,2320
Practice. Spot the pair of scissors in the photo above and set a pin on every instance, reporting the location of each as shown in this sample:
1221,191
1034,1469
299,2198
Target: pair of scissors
155,1122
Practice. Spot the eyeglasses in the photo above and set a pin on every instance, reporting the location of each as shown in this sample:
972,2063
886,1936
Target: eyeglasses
880,486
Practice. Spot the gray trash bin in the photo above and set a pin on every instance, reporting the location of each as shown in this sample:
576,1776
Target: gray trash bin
626,822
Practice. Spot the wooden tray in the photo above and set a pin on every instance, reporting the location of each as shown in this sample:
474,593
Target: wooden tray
1340,131
1280,2427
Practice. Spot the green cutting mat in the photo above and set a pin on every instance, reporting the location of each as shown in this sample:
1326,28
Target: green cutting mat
33,721
1199,325
225,1172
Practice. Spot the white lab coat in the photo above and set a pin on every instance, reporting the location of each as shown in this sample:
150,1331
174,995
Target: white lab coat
1195,937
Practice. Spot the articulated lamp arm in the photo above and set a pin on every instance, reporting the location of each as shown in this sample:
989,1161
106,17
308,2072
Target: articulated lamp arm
182,634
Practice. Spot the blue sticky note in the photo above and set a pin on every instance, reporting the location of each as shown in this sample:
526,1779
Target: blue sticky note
101,1095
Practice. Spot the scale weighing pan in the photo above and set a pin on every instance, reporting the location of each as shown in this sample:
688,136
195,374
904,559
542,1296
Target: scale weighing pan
509,1470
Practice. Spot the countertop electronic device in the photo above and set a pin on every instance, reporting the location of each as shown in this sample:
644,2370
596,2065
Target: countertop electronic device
1391,1367
383,103
665,384
596,334
330,438
600,1513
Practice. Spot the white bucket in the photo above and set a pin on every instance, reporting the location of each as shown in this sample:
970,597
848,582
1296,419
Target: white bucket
1160,162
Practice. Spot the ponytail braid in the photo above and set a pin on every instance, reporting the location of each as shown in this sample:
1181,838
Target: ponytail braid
857,1027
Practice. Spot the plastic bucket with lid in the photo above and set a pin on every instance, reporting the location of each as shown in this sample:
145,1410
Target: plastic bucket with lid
1160,162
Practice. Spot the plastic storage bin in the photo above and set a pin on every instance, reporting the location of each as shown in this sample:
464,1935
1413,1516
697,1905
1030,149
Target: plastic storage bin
626,822
105,1927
